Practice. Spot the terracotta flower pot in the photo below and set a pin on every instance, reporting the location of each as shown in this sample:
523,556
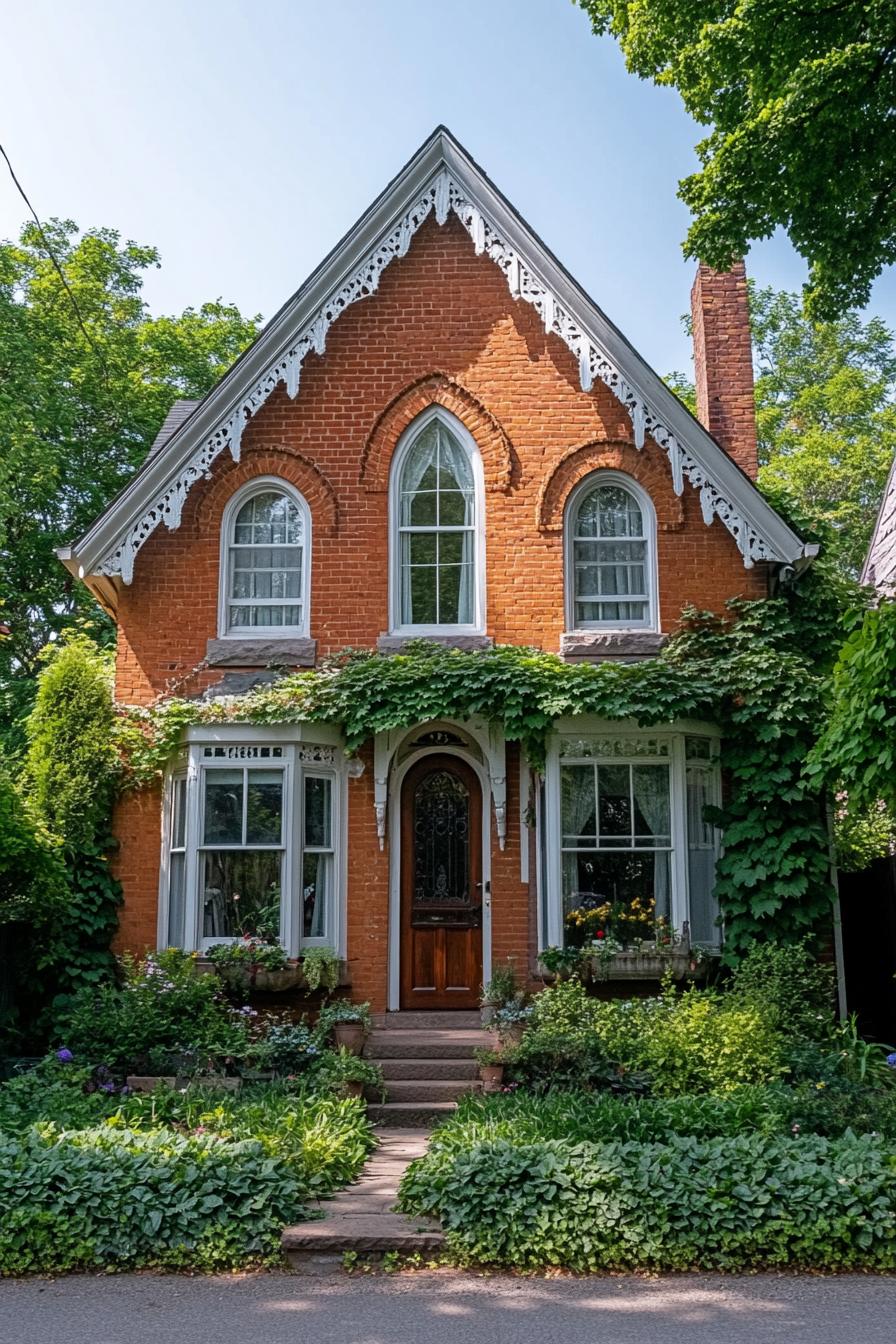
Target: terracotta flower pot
492,1076
351,1035
353,1089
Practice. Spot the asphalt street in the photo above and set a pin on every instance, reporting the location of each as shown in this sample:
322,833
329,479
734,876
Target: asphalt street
447,1308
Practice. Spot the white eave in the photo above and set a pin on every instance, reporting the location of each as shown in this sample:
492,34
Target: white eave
440,179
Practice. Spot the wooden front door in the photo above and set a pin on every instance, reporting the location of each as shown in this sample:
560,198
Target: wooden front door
441,885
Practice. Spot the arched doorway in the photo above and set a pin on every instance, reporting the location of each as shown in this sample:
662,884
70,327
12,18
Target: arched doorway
441,884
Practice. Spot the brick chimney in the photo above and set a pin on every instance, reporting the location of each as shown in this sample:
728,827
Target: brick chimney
723,361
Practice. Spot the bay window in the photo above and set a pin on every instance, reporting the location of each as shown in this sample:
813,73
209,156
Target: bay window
250,845
627,844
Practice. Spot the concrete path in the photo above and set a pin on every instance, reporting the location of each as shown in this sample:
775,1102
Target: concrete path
360,1218
447,1308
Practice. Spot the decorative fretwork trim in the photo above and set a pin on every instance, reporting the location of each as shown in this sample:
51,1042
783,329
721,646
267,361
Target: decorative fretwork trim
442,195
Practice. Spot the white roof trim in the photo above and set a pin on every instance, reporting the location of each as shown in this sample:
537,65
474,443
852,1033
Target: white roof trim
439,180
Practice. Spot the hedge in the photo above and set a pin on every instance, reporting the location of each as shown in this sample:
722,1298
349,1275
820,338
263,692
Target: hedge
738,1203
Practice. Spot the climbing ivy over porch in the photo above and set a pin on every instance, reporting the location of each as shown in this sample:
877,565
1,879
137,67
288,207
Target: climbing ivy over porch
758,673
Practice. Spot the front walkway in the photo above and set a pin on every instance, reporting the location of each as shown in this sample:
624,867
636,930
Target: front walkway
360,1220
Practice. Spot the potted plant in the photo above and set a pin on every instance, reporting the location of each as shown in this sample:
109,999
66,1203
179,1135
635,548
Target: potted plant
559,963
348,1022
499,990
349,1074
491,1069
510,1021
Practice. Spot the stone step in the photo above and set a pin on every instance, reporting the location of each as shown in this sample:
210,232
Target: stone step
409,1114
425,1090
386,1043
364,1234
428,1069
468,1019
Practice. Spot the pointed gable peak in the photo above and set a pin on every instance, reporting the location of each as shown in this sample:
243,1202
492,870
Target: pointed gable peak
440,180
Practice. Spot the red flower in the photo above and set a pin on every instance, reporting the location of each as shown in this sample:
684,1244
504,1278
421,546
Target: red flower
600,934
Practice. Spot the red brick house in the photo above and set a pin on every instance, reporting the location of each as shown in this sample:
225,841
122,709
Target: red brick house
439,435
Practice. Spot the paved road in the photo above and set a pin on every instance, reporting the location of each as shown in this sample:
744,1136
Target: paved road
444,1308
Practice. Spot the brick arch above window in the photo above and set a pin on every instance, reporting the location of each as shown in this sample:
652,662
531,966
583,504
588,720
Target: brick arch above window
499,460
285,462
623,457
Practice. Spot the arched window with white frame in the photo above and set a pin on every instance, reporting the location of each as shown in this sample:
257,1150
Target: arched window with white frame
265,561
437,575
610,555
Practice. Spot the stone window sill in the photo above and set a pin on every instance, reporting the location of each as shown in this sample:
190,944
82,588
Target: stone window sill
626,645
261,652
396,643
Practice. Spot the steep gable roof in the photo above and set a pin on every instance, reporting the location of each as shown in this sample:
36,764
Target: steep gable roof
880,563
441,178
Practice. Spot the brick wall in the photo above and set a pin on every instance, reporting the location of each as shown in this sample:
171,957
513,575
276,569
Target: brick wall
723,361
441,328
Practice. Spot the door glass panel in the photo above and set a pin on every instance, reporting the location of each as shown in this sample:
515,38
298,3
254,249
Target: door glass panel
441,841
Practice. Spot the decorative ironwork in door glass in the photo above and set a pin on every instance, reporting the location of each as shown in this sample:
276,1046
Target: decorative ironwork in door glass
441,847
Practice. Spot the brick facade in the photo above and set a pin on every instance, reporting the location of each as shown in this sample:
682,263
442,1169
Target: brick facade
442,328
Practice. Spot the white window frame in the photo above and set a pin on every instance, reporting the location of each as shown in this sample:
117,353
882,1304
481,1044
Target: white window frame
403,447
315,752
586,730
261,485
648,514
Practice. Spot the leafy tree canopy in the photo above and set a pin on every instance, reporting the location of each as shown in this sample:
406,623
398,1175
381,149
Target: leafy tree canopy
826,416
77,415
800,98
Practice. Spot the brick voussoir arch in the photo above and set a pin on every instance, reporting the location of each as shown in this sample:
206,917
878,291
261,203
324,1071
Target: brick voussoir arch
612,455
283,461
437,389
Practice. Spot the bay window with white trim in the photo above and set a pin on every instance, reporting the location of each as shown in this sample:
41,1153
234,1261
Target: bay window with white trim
250,846
624,825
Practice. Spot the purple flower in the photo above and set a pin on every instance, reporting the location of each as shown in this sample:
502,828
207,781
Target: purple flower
64,1056
108,1087
891,1060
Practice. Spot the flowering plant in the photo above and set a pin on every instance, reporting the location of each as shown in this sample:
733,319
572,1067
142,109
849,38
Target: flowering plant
250,952
623,921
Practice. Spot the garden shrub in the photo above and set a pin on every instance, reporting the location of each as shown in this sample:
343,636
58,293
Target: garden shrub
698,1041
198,1179
120,1197
164,1008
727,1203
790,983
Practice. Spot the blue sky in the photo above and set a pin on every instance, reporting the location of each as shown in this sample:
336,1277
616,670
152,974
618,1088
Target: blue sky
243,139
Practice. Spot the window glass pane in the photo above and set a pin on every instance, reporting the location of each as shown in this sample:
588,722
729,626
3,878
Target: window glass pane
650,789
421,606
420,509
614,802
176,899
241,893
318,809
268,518
421,548
455,509
577,809
264,807
223,814
179,814
703,906
316,882
618,513
592,879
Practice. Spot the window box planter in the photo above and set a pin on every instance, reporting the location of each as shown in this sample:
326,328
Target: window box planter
146,1082
644,964
259,980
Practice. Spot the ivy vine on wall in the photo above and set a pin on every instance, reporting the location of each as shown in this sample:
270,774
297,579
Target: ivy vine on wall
758,673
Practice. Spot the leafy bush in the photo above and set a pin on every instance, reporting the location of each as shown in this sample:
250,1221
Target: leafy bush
725,1203
788,981
196,1178
699,1041
165,1007
116,1196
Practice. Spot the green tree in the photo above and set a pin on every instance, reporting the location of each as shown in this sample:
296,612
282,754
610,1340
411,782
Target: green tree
826,415
78,413
799,96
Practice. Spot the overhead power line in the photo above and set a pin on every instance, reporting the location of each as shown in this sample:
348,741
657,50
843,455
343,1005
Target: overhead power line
52,255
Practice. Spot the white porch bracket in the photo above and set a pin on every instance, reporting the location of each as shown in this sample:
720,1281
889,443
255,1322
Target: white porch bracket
475,737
